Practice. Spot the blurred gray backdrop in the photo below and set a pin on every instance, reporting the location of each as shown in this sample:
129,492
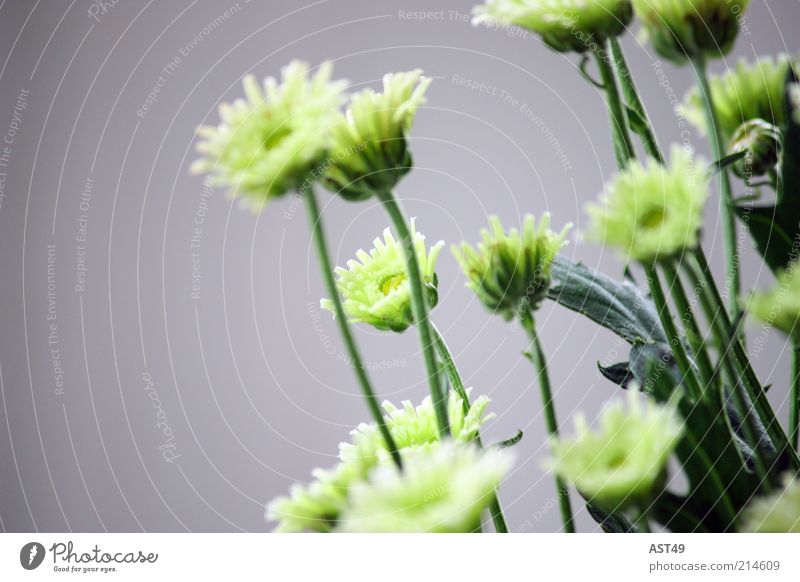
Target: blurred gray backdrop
165,365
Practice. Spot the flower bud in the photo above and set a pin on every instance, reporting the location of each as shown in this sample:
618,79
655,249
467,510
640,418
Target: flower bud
685,29
564,25
762,143
778,512
370,150
510,271
780,305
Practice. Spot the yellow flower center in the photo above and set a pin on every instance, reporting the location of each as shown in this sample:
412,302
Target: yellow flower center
653,218
391,283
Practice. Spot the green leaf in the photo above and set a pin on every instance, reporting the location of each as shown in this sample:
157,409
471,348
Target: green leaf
776,229
729,160
620,306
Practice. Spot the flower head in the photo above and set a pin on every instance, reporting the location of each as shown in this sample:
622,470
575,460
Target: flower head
370,152
565,25
414,427
761,143
375,289
318,505
684,29
777,513
511,270
439,490
651,212
624,462
273,141
745,92
780,306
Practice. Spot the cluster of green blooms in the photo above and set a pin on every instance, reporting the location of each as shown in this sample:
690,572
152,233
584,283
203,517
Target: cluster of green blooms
443,490
270,143
779,306
319,505
623,464
686,29
369,152
375,288
745,92
510,271
651,212
564,25
761,143
776,513
289,135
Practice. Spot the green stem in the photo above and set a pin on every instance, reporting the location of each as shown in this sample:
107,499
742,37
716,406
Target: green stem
794,405
675,340
457,383
726,193
419,307
690,325
623,146
631,95
641,523
540,363
315,220
698,268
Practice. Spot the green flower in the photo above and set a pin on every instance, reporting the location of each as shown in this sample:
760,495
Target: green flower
761,142
777,513
624,462
651,212
780,306
442,490
414,427
683,29
564,25
510,271
370,153
746,92
318,505
276,139
375,289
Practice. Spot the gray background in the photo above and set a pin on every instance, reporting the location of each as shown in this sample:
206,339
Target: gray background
249,376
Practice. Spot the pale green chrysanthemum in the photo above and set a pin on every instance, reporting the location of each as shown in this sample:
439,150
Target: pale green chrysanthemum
777,513
370,151
746,92
414,427
624,462
794,95
318,505
684,29
277,139
779,306
650,212
564,25
441,490
510,271
761,143
375,289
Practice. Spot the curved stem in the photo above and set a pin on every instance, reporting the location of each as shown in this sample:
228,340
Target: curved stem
726,193
419,307
631,95
315,220
540,364
623,146
457,383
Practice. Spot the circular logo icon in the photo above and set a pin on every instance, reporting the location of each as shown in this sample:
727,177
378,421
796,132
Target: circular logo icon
31,555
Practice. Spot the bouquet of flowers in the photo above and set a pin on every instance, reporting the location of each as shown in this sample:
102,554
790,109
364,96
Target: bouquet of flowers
691,393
